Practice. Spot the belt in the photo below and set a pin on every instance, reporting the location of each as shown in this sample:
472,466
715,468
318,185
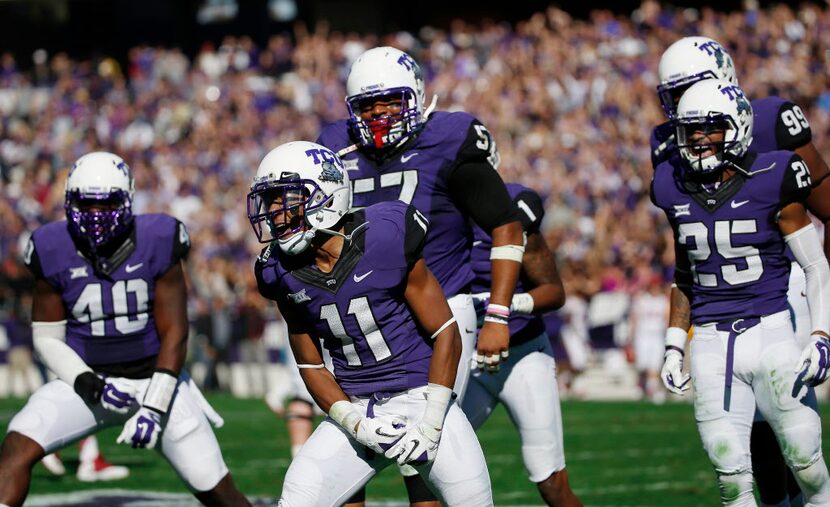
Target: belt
735,328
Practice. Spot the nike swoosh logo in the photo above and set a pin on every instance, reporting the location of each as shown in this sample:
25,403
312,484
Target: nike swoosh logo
476,243
360,278
130,269
738,204
405,158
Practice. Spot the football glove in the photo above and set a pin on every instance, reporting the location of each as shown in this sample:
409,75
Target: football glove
672,373
89,387
142,429
118,396
417,447
814,361
377,433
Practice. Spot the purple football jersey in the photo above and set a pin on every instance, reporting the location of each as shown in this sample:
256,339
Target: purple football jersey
531,210
735,250
417,175
359,309
778,124
109,317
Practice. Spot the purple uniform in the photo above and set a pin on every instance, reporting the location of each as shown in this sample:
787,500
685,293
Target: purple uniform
736,251
778,124
359,310
418,175
531,211
110,315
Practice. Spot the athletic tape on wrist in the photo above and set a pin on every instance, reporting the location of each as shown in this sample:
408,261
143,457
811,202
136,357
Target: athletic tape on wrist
522,303
507,253
343,413
438,397
160,391
676,338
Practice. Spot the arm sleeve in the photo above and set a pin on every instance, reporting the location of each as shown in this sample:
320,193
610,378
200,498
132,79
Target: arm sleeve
415,235
792,130
796,184
807,249
181,244
531,210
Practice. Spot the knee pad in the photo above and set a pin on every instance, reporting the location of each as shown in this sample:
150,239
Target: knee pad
736,489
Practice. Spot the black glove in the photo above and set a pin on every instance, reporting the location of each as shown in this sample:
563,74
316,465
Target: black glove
89,386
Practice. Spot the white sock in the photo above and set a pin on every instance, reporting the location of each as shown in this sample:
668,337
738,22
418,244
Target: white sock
89,449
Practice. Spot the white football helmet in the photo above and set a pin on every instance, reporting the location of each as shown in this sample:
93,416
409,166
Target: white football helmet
379,72
687,61
299,188
99,198
713,105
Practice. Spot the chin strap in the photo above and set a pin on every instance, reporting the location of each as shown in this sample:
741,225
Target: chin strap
347,237
428,110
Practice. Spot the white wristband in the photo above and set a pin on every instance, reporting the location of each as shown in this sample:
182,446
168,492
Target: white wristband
343,413
507,252
438,398
160,391
522,303
676,337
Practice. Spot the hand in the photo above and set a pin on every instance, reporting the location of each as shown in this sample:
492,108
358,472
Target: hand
118,396
379,433
417,447
142,429
814,361
492,347
672,374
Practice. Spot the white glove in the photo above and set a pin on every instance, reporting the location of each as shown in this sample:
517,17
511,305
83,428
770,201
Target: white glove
118,395
417,447
672,373
142,429
377,433
420,444
814,361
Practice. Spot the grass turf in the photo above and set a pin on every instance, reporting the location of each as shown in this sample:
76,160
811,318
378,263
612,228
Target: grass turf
618,454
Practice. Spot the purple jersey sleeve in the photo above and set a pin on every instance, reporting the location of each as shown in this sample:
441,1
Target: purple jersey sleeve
778,125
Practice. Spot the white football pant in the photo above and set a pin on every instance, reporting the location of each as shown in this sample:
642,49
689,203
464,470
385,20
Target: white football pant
55,416
765,356
332,466
465,315
526,385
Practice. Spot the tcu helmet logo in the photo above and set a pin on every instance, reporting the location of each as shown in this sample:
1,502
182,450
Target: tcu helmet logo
332,166
735,94
712,48
406,61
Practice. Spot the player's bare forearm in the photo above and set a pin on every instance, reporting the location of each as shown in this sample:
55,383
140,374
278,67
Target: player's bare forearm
170,313
319,381
505,273
539,267
427,302
680,312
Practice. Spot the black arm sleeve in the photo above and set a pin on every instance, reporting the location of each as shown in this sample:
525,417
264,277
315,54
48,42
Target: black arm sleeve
31,259
181,244
796,184
480,193
415,235
531,210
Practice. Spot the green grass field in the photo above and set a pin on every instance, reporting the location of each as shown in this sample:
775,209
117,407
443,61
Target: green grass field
618,454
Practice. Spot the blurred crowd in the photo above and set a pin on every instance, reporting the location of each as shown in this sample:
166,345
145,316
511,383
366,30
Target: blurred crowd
570,102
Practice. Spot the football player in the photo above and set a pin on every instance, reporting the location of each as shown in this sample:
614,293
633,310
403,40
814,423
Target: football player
444,164
356,283
733,213
778,124
110,320
527,385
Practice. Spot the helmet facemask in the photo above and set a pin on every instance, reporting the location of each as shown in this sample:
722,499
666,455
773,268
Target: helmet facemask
388,130
98,218
707,143
670,92
291,212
